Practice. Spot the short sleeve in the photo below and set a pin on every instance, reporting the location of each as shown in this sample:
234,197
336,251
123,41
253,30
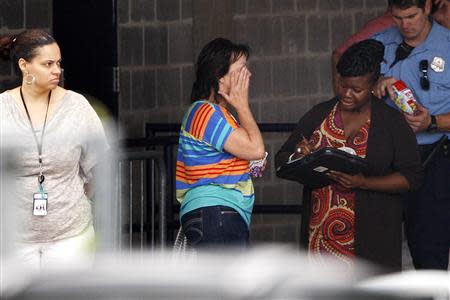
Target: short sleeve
406,154
94,143
208,123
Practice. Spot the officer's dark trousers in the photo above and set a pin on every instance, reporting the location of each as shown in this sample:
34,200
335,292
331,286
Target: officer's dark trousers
427,215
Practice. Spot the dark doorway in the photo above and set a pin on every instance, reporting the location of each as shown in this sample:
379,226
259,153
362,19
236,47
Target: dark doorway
86,32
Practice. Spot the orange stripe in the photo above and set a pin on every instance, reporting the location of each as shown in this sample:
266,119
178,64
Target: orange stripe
201,175
222,164
205,122
213,169
229,118
192,180
206,172
194,121
200,120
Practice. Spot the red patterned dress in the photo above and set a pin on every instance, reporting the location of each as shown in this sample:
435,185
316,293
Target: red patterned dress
332,222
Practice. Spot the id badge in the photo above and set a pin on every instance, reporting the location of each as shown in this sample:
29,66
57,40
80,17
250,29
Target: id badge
40,201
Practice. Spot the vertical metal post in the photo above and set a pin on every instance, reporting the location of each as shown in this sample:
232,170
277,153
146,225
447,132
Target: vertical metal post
130,228
142,204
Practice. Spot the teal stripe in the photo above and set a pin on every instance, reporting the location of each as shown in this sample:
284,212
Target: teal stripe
222,136
218,125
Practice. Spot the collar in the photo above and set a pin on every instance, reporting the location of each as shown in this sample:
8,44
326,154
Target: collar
433,41
436,38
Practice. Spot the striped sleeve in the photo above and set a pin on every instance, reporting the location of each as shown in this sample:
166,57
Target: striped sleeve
207,123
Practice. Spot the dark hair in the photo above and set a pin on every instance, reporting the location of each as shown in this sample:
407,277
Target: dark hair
404,4
23,45
213,63
434,7
361,59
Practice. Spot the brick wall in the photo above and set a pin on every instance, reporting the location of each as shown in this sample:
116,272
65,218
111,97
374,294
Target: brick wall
155,58
16,16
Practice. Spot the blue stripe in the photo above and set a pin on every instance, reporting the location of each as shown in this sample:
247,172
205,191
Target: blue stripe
202,160
217,180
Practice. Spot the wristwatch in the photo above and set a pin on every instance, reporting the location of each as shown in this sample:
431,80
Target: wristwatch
433,124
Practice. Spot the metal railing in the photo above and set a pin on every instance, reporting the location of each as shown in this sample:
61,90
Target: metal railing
142,199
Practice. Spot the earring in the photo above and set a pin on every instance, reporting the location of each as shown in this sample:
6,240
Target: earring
29,78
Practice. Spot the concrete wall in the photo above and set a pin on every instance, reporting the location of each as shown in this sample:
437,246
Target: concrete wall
16,16
291,40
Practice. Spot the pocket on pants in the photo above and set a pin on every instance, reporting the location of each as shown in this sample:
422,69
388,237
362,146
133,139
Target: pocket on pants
234,229
229,215
192,224
439,177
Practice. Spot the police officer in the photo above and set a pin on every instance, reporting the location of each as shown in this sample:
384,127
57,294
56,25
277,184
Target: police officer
417,51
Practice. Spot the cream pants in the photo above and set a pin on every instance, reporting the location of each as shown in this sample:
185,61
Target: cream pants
77,251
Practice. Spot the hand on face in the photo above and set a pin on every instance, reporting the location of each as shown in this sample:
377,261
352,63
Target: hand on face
346,180
442,14
440,3
420,120
239,85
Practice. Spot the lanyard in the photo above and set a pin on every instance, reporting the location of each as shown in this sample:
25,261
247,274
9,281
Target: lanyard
41,176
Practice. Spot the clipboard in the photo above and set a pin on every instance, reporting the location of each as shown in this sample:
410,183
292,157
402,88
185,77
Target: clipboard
311,170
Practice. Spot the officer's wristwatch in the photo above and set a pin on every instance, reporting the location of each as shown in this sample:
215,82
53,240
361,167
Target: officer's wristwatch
433,124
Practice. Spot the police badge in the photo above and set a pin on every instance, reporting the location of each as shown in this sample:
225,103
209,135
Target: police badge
438,64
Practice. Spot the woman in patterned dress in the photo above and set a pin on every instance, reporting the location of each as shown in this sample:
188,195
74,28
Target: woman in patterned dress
358,215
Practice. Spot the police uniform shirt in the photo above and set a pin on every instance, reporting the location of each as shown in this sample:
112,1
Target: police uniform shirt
436,51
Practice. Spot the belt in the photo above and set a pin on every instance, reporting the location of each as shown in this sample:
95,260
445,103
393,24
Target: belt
429,151
426,148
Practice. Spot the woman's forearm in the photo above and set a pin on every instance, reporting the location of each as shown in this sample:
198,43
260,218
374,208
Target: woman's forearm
248,123
392,183
246,142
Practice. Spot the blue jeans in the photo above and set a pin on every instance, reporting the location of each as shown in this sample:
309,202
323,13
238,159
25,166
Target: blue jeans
215,226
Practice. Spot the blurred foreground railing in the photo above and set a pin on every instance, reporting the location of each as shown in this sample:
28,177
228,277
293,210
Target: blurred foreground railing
141,187
261,273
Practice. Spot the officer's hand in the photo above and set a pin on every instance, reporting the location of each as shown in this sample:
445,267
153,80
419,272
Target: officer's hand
420,120
383,85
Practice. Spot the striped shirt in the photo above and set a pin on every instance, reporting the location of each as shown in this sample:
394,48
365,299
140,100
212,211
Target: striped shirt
202,161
